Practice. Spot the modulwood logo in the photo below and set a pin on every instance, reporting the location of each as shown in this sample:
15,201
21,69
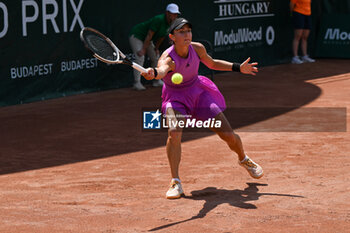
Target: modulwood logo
243,35
336,34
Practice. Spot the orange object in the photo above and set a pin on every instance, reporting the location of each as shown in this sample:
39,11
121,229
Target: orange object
302,6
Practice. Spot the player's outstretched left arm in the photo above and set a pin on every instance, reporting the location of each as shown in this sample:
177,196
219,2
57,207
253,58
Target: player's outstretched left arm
217,64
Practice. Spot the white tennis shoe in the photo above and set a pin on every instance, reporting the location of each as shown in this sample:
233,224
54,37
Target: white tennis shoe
296,60
306,58
254,169
175,190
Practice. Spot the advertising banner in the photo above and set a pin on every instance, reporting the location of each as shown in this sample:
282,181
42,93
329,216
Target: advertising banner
333,38
250,28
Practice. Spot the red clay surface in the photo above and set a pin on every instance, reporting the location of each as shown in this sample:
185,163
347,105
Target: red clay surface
83,164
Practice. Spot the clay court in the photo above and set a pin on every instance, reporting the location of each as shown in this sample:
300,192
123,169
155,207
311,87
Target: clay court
83,163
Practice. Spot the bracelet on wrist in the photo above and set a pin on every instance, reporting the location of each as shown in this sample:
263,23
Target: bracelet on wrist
236,67
155,72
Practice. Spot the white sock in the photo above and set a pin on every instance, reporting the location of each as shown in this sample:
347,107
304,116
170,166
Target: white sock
245,158
176,179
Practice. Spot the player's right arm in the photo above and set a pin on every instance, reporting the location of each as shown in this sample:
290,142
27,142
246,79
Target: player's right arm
165,64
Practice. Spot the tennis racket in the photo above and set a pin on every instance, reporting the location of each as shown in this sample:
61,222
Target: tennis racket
104,49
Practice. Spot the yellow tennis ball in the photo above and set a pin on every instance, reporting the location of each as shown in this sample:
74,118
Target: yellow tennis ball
177,78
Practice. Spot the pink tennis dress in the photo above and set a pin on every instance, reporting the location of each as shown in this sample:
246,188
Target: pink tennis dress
197,96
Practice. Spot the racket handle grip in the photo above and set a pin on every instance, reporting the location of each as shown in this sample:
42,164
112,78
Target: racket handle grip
138,67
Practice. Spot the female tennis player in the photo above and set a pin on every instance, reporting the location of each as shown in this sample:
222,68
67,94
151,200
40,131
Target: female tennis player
196,96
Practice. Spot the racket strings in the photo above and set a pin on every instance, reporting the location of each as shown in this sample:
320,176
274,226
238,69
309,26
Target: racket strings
100,46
